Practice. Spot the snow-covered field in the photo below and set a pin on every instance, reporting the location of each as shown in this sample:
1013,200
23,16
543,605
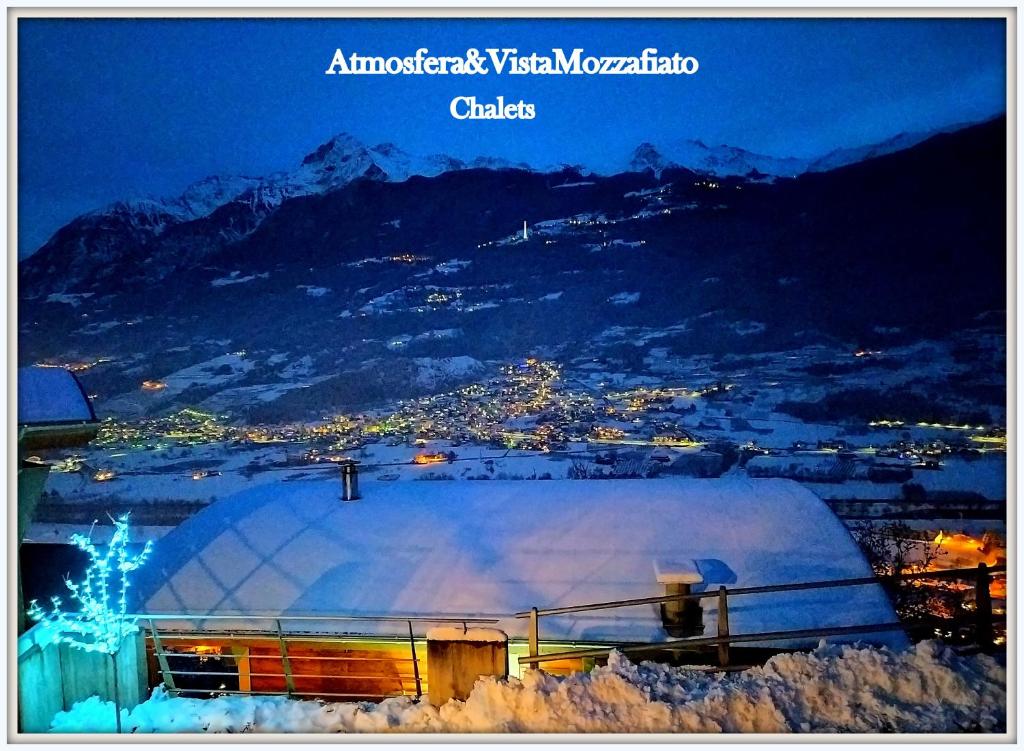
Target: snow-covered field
927,688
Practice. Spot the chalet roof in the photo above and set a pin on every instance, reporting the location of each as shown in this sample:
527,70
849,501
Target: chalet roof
48,396
491,548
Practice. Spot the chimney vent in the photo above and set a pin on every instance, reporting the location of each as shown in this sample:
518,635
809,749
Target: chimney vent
350,480
680,618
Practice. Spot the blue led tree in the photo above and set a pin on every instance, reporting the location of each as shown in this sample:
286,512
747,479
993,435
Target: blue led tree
101,622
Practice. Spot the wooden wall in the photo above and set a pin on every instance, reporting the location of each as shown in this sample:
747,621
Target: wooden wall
52,677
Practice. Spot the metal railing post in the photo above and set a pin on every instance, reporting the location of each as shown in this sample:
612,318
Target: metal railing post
161,657
723,626
534,635
415,663
983,609
289,681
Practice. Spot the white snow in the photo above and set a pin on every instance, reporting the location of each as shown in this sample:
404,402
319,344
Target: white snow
235,278
93,329
455,633
438,334
242,396
452,266
746,328
716,160
985,475
48,395
677,571
431,372
57,533
298,368
927,688
494,548
204,197
68,298
624,298
213,372
314,291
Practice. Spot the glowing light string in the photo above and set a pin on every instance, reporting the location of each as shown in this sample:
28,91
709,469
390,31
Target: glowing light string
101,622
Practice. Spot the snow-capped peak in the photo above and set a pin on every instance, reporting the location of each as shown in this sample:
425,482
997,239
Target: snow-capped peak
201,198
729,161
339,148
344,158
335,163
647,157
723,160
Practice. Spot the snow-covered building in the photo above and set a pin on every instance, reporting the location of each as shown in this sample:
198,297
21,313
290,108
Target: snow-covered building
53,412
53,409
492,549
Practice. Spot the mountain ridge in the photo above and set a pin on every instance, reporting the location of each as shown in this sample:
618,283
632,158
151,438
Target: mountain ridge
343,158
368,279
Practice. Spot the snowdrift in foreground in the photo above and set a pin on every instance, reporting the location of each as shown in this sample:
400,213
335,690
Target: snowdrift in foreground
926,688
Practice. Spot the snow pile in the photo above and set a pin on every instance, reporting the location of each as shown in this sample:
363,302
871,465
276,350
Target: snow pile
926,688
455,633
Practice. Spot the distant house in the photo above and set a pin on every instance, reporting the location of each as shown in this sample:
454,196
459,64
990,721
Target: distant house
492,549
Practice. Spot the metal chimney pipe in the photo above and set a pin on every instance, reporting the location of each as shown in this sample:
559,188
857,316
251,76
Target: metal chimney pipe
349,480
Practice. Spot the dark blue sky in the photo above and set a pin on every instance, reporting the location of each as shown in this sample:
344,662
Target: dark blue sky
121,108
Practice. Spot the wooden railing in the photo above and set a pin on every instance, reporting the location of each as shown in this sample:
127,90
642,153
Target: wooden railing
164,632
983,620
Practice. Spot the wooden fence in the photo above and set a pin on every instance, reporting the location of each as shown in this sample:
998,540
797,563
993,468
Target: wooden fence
52,677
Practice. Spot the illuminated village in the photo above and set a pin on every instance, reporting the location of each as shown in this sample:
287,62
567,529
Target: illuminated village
532,421
895,486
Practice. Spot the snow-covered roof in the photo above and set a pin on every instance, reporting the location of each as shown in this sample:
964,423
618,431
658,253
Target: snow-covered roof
49,396
492,548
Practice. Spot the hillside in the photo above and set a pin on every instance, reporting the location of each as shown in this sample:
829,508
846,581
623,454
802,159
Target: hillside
363,291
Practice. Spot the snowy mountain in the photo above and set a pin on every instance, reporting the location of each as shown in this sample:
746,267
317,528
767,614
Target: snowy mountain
899,142
202,198
344,158
730,161
335,163
234,205
495,162
151,237
723,161
390,260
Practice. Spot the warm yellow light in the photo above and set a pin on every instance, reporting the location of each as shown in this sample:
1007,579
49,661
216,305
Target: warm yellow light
429,458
